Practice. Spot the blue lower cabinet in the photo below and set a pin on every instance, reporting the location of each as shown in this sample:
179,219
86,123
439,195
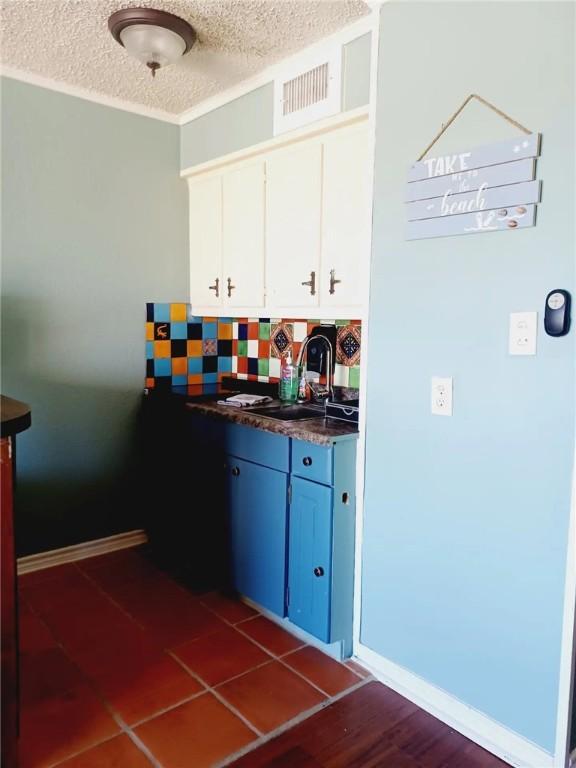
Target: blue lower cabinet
310,557
257,514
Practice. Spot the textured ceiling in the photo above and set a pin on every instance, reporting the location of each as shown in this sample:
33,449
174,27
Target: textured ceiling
69,41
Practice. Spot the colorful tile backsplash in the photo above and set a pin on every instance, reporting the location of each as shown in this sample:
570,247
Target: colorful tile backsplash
185,349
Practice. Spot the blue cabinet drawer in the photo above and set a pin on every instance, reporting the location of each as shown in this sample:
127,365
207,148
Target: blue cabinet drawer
312,462
264,448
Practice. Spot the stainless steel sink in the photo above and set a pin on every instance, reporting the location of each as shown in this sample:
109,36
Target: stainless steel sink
290,412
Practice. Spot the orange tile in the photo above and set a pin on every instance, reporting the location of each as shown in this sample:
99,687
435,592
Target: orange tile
242,365
45,674
150,383
170,614
228,608
218,657
162,349
270,696
60,726
149,331
33,635
119,752
194,348
263,349
179,366
138,690
224,330
271,636
355,667
178,313
200,733
209,319
321,670
195,378
253,330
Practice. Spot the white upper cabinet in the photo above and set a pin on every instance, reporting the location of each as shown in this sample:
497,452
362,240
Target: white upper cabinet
243,235
284,230
205,217
345,218
293,206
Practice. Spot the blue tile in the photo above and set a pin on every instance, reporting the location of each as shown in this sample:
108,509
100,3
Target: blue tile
179,331
179,380
210,378
225,320
209,330
190,317
194,365
162,366
162,313
149,350
225,364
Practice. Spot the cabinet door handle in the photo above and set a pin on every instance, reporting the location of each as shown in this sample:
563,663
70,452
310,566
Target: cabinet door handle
311,283
318,571
307,461
230,287
333,280
235,471
215,287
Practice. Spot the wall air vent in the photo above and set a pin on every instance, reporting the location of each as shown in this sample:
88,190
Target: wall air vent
307,93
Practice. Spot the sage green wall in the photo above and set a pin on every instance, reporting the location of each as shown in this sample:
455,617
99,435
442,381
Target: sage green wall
248,120
94,225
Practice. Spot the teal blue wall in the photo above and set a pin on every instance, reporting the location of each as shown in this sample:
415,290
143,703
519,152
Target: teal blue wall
94,224
466,518
248,120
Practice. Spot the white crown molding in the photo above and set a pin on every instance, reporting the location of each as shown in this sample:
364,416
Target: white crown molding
475,725
87,95
306,132
343,36
80,551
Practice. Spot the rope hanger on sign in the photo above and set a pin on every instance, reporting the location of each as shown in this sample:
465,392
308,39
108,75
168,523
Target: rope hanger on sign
486,103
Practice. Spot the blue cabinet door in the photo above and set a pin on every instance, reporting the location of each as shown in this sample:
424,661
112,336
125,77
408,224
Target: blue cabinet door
310,557
257,508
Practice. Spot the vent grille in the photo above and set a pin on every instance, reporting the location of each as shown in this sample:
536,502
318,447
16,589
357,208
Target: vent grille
305,90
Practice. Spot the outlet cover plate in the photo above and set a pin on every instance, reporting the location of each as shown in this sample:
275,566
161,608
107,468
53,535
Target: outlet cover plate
441,396
523,333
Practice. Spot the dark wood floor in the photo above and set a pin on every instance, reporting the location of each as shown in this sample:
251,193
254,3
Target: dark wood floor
373,727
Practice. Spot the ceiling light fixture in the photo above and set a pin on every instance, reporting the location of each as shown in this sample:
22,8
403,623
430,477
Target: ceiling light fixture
156,38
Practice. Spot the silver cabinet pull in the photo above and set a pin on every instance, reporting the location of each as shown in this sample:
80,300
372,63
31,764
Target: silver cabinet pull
311,283
333,280
215,287
230,287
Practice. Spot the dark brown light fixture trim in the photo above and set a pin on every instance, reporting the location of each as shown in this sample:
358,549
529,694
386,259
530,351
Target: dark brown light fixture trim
127,17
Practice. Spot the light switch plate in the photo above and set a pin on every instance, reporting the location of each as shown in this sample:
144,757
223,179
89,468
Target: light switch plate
441,396
523,333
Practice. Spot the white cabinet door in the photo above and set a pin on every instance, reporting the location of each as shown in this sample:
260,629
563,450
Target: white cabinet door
293,207
243,197
206,287
345,218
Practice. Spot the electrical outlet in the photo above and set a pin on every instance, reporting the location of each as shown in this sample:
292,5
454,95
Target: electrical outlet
523,331
441,396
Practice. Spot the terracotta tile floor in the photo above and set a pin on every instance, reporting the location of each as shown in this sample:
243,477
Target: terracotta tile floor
122,667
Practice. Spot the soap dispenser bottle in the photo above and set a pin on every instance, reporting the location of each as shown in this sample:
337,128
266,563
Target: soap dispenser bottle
288,380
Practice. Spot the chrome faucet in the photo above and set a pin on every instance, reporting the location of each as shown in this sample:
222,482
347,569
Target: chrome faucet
329,390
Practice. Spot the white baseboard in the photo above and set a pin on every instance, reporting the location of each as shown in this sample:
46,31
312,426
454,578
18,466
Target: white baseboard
80,551
489,734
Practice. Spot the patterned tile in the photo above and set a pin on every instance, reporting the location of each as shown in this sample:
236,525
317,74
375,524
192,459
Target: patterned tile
281,337
161,331
348,345
209,347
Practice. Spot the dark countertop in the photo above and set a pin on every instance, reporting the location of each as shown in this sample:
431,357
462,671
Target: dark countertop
14,416
318,431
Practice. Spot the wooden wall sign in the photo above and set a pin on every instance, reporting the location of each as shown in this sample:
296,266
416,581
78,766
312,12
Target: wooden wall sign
483,189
